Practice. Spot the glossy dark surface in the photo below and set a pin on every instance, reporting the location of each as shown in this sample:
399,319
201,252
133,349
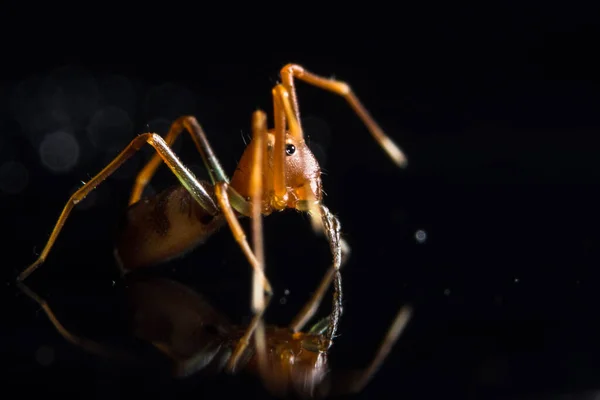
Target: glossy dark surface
497,111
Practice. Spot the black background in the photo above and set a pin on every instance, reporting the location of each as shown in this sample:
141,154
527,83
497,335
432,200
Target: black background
496,109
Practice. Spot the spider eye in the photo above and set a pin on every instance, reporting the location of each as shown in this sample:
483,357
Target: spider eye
290,149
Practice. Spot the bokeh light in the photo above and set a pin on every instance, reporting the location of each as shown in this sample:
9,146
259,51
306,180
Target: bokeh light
59,151
169,101
45,356
110,129
421,236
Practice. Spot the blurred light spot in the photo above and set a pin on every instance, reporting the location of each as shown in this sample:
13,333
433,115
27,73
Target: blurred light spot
447,292
27,108
71,95
117,90
59,151
283,299
110,129
421,236
13,177
170,101
516,280
61,100
45,355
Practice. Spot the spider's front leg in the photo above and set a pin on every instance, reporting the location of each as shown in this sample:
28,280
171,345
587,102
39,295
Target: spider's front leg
227,197
186,178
